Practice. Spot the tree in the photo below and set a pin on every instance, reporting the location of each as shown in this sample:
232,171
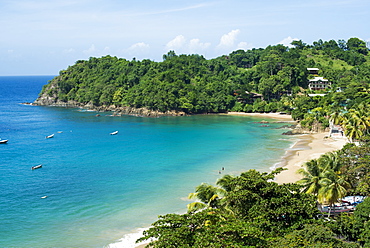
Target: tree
208,195
298,44
312,174
357,45
254,210
333,188
355,227
314,235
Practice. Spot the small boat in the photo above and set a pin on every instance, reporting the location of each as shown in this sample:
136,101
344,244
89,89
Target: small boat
114,133
43,197
50,136
3,141
36,167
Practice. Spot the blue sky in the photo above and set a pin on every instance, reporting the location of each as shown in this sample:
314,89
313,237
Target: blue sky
42,37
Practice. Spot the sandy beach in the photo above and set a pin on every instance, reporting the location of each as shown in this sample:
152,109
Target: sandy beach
277,116
309,146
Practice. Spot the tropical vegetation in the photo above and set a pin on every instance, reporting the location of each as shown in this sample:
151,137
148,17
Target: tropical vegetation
192,84
251,210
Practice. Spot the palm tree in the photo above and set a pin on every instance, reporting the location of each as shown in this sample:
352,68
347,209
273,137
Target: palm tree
312,174
208,195
333,187
356,122
353,130
363,117
211,196
336,118
330,161
226,183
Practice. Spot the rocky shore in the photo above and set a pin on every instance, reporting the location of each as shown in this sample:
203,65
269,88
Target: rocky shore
45,100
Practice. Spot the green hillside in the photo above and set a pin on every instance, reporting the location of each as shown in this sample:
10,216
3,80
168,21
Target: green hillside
256,80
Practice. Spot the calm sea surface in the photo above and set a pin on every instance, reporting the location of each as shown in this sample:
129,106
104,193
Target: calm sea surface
101,187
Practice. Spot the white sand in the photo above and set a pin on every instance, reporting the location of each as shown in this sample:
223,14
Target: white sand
265,115
317,146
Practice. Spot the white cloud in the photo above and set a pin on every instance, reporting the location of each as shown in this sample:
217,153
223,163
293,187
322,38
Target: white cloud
181,46
368,43
287,41
228,40
195,46
176,44
140,47
244,46
138,50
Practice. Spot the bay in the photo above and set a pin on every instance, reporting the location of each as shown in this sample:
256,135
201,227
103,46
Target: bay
100,187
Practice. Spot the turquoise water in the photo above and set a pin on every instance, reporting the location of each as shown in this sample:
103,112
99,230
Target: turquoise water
100,187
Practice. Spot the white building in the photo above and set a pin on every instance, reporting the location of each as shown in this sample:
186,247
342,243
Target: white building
317,83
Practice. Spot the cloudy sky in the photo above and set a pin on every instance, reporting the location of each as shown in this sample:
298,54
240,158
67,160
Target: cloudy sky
42,37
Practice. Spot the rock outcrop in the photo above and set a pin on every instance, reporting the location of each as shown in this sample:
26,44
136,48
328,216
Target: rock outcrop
53,100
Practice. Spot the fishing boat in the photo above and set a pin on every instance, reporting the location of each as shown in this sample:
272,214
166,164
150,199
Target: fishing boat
50,136
36,167
114,133
3,141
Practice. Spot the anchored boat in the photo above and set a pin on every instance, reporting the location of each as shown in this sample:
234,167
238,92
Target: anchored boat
36,167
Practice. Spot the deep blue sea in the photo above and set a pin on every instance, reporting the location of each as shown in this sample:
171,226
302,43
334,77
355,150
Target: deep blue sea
101,188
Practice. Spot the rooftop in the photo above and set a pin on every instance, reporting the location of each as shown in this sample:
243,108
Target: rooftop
318,79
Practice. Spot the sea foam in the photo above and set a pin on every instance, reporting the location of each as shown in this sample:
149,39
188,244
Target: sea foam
129,240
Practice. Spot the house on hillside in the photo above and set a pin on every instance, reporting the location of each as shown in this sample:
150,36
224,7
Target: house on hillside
313,71
317,83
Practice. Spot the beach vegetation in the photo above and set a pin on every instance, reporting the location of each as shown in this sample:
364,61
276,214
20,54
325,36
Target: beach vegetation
338,174
257,212
254,211
251,210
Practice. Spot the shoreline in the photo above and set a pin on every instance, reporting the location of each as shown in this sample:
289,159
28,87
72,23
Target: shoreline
308,147
277,116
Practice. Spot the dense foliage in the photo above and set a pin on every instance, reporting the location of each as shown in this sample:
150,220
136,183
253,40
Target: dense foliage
248,210
251,210
192,84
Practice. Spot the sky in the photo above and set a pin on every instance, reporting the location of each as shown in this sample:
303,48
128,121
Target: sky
43,37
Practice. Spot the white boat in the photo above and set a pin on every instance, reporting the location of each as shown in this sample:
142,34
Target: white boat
50,136
114,133
3,141
36,167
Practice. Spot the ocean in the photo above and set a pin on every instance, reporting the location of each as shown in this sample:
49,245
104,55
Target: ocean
99,190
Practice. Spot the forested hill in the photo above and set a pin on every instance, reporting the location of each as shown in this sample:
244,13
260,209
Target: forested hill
193,84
